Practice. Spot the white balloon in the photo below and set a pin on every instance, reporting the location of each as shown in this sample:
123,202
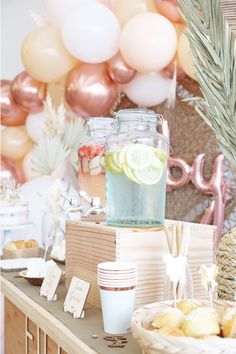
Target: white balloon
148,89
56,10
27,167
34,126
91,33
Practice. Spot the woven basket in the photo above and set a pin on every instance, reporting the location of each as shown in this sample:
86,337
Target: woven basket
152,342
226,261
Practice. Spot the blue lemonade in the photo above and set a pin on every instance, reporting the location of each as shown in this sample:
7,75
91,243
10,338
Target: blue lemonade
136,186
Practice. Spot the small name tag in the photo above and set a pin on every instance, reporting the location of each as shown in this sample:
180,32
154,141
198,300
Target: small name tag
76,297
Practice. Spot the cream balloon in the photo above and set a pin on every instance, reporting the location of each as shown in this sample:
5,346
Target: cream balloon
56,10
15,143
185,56
91,33
148,42
27,167
56,90
44,56
125,10
148,89
34,125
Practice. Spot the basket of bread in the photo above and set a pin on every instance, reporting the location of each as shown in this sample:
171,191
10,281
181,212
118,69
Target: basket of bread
21,249
187,327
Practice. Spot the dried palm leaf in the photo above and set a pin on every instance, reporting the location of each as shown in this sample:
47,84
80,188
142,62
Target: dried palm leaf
213,46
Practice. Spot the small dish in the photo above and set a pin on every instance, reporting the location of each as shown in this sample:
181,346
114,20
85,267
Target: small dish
60,261
32,281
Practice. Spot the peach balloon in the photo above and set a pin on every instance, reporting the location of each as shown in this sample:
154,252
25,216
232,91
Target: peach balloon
148,42
11,113
185,56
90,91
15,143
28,93
125,10
11,170
44,55
168,8
56,90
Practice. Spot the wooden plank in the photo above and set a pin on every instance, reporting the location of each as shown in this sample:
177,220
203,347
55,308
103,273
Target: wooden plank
14,329
32,343
52,347
49,324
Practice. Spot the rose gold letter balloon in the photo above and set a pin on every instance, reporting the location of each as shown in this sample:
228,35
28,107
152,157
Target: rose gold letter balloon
11,113
90,91
28,93
119,71
44,55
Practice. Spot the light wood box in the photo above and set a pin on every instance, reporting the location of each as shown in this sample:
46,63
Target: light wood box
88,244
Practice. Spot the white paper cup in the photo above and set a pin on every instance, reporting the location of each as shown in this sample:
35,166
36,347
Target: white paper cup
116,266
117,309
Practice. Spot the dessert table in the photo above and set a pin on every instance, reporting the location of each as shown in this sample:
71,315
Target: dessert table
70,336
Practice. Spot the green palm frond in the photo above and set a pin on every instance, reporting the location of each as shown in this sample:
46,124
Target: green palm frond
214,54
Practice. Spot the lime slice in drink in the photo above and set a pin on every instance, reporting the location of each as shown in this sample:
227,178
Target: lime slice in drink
150,175
138,156
130,174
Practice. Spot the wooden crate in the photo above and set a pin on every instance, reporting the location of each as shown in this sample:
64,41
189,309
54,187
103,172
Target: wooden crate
88,244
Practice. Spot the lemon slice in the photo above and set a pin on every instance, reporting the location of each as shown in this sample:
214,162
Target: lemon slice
111,164
161,155
130,174
150,175
138,156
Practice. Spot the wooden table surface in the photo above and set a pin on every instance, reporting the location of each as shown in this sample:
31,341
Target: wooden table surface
74,335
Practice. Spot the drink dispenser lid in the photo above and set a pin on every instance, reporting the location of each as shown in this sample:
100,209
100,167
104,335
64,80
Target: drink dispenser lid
146,115
100,123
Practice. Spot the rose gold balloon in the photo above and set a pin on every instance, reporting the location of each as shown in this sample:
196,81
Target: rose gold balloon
28,93
119,71
11,113
10,170
168,8
90,91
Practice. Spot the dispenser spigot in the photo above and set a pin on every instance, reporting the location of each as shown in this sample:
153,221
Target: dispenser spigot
95,205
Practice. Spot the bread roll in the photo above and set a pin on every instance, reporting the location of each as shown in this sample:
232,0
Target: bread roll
11,246
187,306
169,317
203,321
20,244
30,243
229,323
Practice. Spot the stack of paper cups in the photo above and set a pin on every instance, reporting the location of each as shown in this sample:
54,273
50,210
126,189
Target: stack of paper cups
117,281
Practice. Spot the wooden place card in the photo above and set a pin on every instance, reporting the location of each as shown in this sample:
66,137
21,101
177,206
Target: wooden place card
50,282
76,297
